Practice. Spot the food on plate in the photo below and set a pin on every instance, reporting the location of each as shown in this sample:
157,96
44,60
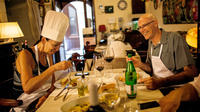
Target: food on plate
80,107
121,78
73,81
64,81
107,87
138,75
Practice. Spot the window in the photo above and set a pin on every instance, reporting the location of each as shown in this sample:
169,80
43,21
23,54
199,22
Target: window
73,21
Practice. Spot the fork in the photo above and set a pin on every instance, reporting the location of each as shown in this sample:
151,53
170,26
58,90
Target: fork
57,96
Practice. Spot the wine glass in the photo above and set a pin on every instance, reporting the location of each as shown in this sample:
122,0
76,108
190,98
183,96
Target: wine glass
99,64
109,54
109,98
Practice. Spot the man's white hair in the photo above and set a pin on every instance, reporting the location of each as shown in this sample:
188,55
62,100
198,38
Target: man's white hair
149,16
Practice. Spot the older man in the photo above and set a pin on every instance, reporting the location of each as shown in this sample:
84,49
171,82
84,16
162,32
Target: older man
168,55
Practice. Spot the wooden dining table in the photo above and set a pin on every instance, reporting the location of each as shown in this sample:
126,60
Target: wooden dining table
143,94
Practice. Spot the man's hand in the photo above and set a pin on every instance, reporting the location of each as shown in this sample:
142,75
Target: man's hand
171,102
151,82
136,61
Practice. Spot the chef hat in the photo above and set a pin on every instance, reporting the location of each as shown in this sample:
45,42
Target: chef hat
55,26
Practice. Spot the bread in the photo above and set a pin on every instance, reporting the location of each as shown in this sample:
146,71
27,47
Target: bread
107,87
64,81
121,78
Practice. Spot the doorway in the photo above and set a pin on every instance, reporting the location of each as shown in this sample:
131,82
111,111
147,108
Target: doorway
73,41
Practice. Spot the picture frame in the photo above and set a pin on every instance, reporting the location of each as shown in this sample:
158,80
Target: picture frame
138,6
180,12
109,9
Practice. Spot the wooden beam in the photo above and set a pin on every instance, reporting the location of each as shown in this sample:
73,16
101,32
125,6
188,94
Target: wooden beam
85,12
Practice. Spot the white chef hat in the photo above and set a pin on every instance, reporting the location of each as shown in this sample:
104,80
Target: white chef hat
55,26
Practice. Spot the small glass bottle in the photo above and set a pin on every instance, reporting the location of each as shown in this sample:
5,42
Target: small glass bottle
82,86
25,45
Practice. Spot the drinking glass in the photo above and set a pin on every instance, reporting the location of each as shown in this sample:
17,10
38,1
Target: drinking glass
125,104
82,86
109,98
99,66
109,54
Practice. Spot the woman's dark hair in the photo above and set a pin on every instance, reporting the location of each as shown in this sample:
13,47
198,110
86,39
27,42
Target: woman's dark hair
40,40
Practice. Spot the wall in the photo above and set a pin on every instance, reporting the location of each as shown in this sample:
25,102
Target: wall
17,10
3,16
102,18
169,27
20,14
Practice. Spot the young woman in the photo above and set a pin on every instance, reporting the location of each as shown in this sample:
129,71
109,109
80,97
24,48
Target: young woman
35,65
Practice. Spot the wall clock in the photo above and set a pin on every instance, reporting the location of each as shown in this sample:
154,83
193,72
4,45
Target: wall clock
122,4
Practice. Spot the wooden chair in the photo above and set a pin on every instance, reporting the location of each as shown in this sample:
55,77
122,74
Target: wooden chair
7,99
138,42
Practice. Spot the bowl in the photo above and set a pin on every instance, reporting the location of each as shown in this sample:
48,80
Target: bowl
79,101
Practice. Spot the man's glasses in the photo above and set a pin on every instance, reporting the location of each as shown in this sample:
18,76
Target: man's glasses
140,27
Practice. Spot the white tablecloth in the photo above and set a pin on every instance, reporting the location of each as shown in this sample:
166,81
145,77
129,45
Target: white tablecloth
143,95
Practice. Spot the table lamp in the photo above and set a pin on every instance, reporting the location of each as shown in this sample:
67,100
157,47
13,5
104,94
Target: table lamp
10,30
191,37
102,29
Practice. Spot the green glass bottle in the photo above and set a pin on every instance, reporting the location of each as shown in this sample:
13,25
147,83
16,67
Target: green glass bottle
131,78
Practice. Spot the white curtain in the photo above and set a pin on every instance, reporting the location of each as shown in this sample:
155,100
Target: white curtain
34,18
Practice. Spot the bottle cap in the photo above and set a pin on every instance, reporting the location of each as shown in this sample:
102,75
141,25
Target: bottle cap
129,55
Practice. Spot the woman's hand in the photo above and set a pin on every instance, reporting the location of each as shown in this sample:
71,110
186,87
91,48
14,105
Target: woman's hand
63,65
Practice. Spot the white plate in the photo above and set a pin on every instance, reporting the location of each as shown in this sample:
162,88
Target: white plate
142,73
58,85
67,106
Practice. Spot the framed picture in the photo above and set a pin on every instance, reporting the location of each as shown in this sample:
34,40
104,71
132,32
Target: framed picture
91,40
180,11
108,9
138,6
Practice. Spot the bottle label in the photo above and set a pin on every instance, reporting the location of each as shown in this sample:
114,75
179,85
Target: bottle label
130,76
131,91
129,59
134,89
128,89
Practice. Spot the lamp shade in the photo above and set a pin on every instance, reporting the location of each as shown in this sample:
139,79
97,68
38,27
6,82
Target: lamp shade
10,30
102,28
191,37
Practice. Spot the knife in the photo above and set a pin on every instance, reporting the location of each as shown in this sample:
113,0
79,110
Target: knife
57,96
66,94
